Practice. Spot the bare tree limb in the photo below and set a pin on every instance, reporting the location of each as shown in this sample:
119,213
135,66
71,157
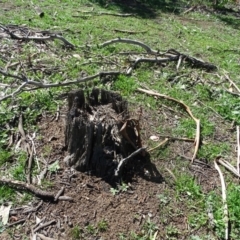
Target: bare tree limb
130,41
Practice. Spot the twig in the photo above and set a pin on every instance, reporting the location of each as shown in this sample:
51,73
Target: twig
60,192
15,223
228,166
125,160
159,145
130,32
232,83
44,225
170,138
224,200
33,209
44,237
50,37
42,85
197,137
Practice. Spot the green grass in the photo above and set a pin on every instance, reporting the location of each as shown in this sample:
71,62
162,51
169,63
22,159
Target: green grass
211,37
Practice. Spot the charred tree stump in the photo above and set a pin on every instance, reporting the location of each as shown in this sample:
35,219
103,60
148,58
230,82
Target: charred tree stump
98,132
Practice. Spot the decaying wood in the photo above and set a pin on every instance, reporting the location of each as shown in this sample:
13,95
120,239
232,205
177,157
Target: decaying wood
197,137
99,132
44,237
15,223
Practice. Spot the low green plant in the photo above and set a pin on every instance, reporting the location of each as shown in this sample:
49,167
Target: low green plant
91,229
75,232
102,225
125,84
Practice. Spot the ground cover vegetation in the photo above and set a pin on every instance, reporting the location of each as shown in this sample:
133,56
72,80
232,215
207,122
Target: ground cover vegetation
176,62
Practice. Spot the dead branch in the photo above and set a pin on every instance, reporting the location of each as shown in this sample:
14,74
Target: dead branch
44,237
232,83
15,223
197,137
151,60
224,200
60,192
105,13
51,36
44,225
229,167
130,41
127,31
125,160
42,85
31,188
33,209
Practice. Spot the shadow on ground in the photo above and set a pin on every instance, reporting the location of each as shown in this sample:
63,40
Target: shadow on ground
141,8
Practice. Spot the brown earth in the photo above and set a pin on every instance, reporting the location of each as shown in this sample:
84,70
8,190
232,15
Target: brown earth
93,202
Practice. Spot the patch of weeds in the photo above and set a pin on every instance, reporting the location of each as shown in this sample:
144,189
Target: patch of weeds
76,232
7,194
197,219
186,128
186,185
102,225
4,156
18,170
210,150
172,231
123,187
114,191
91,229
122,236
46,183
54,167
125,84
164,200
149,228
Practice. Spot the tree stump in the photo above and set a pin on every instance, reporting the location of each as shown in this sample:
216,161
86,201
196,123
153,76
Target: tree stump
99,132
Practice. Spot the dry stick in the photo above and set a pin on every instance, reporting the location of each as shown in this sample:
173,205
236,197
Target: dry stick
127,31
33,209
17,222
130,41
42,85
236,87
238,151
60,192
229,167
31,188
44,237
152,60
44,225
30,160
50,37
224,200
159,145
124,161
197,137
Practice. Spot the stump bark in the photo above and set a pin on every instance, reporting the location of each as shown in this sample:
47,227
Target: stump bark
98,131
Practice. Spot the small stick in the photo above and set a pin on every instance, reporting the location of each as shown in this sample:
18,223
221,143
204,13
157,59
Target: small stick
234,84
44,237
159,145
124,161
60,192
44,225
228,166
33,209
224,200
17,222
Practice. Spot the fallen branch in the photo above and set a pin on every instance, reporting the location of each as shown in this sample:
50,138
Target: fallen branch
31,188
60,192
228,166
197,137
125,160
51,36
44,225
43,85
224,200
130,41
44,237
127,31
232,83
15,223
